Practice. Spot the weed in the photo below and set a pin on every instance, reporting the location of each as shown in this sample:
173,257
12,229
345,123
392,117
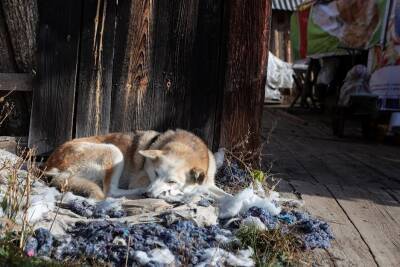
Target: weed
271,247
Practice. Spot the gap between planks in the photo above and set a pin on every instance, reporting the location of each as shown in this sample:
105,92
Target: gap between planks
376,215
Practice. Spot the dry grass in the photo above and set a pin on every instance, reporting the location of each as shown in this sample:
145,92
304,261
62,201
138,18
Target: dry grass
15,190
15,204
251,163
272,247
6,108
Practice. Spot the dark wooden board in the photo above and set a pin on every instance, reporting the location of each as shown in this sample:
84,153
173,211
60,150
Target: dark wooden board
7,62
16,82
132,63
387,166
95,68
54,95
22,19
206,89
245,56
16,44
153,65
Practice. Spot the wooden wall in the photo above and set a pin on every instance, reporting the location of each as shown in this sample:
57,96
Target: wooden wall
18,26
280,44
108,65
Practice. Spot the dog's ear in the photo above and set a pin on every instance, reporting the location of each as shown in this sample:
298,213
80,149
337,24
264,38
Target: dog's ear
197,175
151,154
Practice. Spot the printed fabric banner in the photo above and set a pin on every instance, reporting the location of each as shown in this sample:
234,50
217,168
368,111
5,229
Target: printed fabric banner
324,27
384,63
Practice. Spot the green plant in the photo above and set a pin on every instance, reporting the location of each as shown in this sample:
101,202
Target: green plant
271,247
258,175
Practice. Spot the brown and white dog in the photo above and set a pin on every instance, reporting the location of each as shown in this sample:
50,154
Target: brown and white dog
146,162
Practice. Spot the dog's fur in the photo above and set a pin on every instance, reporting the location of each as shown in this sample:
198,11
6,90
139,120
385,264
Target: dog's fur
145,161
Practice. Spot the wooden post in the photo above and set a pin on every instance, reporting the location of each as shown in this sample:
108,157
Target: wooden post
246,57
95,69
54,94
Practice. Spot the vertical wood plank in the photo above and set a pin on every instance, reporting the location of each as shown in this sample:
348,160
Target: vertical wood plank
95,68
54,95
132,62
247,26
206,87
7,62
22,19
154,67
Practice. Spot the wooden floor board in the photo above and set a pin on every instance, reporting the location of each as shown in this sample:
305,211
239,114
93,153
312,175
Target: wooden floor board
390,169
348,248
351,183
377,217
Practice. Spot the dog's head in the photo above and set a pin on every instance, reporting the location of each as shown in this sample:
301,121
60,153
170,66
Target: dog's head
172,173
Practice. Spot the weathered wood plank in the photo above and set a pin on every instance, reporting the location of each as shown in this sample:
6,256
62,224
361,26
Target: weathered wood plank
387,167
16,82
17,123
348,248
287,163
95,68
246,25
377,217
351,171
206,86
132,64
22,20
153,70
7,62
328,161
54,96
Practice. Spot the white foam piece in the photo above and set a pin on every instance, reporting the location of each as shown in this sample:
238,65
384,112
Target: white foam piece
221,257
42,200
254,222
219,158
231,206
158,255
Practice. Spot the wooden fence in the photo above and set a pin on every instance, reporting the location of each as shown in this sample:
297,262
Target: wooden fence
108,65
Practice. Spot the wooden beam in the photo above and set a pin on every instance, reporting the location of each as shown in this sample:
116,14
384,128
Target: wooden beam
95,69
16,82
245,63
54,95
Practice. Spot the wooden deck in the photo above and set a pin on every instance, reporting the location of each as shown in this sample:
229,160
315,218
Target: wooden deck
352,184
